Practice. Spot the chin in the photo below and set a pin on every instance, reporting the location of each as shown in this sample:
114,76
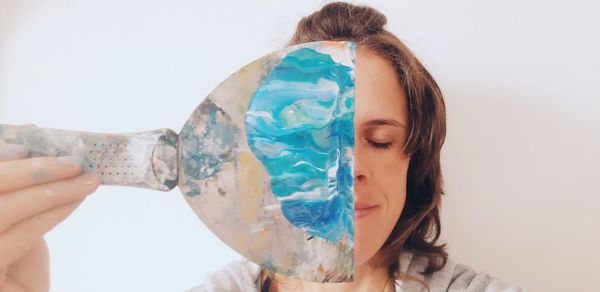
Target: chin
363,252
367,240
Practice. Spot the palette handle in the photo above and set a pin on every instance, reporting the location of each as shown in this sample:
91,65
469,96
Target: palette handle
143,159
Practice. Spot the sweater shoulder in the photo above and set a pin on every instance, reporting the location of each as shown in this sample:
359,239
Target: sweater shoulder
455,276
243,275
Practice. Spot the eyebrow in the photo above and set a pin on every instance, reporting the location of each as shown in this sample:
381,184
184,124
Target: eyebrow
384,122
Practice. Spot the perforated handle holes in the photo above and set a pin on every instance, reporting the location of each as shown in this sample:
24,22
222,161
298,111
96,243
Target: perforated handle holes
110,160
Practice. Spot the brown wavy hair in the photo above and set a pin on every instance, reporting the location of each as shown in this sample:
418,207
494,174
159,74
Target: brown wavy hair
419,227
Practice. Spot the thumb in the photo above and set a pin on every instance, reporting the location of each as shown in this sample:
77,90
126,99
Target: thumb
32,270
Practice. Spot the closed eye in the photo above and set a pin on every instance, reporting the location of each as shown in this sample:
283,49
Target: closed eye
380,145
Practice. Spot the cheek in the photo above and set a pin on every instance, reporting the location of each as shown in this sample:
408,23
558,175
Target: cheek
388,177
391,177
389,170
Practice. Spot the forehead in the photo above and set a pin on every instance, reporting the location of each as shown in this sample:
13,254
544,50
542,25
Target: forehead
379,93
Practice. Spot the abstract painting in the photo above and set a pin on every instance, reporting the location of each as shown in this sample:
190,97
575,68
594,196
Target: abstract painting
267,161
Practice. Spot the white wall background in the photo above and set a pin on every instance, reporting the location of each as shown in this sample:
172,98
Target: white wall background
521,79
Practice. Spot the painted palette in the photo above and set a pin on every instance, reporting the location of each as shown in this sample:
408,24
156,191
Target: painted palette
266,160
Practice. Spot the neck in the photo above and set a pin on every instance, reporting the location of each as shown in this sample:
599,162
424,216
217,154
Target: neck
366,278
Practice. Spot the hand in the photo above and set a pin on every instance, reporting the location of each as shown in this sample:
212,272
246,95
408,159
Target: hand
36,194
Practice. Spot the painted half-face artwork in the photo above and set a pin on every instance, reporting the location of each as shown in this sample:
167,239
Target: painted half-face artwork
275,161
265,161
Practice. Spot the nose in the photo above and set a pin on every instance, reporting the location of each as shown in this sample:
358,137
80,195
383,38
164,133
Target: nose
360,172
359,178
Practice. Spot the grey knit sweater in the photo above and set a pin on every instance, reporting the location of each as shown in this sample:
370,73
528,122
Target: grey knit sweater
242,275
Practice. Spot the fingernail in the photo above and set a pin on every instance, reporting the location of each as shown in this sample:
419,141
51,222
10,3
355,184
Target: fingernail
88,178
13,151
68,161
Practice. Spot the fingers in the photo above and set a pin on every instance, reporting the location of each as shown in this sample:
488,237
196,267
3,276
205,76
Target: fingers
12,152
32,269
18,174
18,205
36,194
17,240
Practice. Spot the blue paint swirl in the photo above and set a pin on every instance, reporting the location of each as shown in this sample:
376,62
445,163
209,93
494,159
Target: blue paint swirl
300,125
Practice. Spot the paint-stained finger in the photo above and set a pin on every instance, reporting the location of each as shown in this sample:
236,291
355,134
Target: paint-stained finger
23,203
18,174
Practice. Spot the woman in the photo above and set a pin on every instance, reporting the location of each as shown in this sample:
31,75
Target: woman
400,129
400,126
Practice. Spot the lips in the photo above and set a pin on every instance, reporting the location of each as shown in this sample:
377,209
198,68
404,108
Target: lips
361,205
361,210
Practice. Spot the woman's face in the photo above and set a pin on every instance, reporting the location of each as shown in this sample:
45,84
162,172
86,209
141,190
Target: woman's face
381,119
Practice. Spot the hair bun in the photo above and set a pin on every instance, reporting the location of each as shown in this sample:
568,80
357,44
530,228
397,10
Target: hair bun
340,20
